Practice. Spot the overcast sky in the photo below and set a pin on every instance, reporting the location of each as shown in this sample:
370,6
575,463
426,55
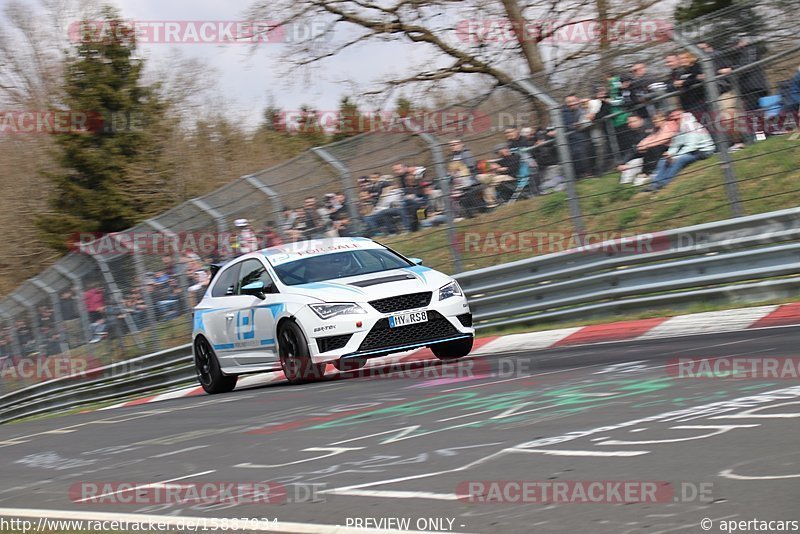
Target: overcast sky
246,76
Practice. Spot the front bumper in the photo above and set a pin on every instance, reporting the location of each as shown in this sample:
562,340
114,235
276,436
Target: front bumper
332,339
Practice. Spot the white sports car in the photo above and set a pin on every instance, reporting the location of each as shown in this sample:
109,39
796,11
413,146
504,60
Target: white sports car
298,307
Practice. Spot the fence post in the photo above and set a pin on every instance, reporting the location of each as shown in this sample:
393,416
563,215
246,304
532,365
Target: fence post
721,140
34,317
444,183
16,346
274,197
564,155
347,183
77,287
58,318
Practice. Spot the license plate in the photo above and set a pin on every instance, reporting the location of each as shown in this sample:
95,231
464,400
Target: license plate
408,318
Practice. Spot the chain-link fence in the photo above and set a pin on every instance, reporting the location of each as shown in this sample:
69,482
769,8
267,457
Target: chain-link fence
690,125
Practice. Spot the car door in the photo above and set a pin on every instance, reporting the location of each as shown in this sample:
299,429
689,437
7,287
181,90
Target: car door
254,322
216,321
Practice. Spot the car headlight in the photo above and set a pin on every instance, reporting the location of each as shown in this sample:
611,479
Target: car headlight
450,290
326,311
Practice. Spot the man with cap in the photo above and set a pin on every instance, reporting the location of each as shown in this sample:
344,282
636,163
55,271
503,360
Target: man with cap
246,239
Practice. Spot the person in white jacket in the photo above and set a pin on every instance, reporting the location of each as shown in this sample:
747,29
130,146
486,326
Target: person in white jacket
691,143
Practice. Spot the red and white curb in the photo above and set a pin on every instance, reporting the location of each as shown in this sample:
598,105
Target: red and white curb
661,327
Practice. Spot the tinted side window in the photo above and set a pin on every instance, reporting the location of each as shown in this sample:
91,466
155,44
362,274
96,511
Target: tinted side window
226,282
253,271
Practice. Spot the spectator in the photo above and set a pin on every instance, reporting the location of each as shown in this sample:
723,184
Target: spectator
408,180
138,308
690,83
728,106
791,98
506,169
636,130
546,155
246,240
270,237
466,192
95,307
596,110
642,89
579,143
648,151
460,153
339,216
691,143
69,309
389,207
752,84
311,221
434,207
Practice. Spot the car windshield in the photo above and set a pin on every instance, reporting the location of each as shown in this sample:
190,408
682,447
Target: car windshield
339,265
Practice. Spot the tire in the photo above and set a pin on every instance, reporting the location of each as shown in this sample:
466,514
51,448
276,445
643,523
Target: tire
295,359
452,350
209,373
352,364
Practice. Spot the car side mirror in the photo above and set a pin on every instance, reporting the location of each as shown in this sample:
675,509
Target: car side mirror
256,289
415,261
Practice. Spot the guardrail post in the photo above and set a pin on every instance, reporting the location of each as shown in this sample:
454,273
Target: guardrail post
116,294
16,346
219,218
721,140
274,197
34,316
77,287
444,183
564,155
58,318
347,183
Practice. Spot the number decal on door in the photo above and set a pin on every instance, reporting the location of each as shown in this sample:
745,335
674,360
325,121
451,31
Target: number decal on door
245,325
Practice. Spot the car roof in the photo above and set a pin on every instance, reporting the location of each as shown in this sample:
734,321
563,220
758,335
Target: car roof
316,247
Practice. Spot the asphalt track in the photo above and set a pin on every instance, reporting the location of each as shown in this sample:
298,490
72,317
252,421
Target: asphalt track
404,444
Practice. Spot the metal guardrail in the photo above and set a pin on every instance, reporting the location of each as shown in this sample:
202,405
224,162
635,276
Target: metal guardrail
752,254
152,372
747,257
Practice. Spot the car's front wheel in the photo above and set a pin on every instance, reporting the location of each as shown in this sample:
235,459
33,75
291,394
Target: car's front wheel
209,373
452,350
295,358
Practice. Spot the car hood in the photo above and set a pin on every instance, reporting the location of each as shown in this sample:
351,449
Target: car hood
373,286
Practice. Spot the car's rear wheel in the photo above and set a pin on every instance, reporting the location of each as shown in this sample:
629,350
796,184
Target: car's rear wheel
209,373
295,358
452,350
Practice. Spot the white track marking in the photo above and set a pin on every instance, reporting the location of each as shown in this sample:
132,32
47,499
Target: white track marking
332,451
728,473
179,451
234,524
708,322
564,452
526,341
136,487
716,431
389,494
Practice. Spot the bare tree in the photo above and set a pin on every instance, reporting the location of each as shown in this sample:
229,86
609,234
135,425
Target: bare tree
489,40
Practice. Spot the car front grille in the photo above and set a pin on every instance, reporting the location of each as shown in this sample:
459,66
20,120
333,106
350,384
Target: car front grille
402,302
328,343
381,336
